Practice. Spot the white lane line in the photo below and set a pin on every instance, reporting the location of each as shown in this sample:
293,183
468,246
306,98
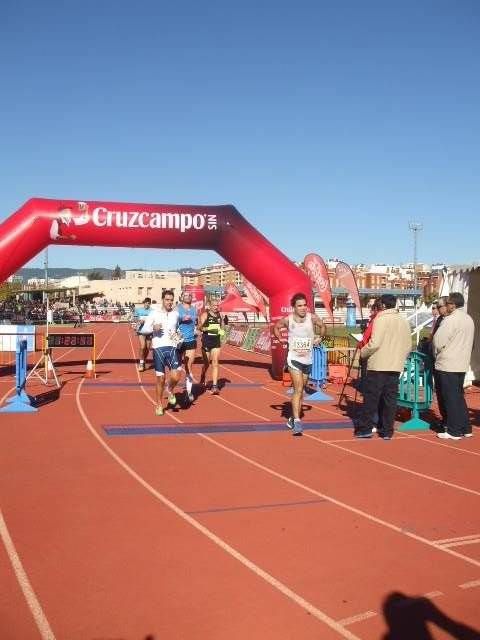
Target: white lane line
471,537
394,466
433,594
358,618
231,551
436,443
470,585
239,375
99,393
232,404
462,543
339,503
32,601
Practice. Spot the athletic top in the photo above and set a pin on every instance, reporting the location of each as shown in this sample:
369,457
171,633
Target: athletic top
141,314
215,319
187,319
300,339
167,336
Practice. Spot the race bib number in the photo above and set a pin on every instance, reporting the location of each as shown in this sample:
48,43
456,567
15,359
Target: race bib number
302,344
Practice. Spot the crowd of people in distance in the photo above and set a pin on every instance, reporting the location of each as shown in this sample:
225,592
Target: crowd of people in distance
63,312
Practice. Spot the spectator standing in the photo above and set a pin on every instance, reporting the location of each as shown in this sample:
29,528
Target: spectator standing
385,352
440,306
452,349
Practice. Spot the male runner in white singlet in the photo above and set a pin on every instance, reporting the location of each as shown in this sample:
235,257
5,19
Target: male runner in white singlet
304,331
165,341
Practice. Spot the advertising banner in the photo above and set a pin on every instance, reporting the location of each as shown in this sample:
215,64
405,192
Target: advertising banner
318,274
255,297
250,339
263,343
346,279
237,335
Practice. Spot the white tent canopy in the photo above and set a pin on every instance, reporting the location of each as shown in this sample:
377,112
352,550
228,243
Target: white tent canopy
465,279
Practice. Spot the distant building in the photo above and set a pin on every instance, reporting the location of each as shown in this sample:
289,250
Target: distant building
219,275
15,279
142,274
189,277
133,289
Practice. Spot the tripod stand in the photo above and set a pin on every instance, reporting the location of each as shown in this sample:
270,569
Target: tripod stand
342,395
43,367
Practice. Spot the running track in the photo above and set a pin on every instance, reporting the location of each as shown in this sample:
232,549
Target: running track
226,535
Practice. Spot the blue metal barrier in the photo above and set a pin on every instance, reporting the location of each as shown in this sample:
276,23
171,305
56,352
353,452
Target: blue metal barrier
318,375
415,389
20,402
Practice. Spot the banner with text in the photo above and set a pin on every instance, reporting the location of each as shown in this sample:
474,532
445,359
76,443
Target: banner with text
318,274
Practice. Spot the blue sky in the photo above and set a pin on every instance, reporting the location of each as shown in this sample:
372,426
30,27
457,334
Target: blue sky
328,125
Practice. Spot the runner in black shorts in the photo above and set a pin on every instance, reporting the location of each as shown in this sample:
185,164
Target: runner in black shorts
211,325
187,315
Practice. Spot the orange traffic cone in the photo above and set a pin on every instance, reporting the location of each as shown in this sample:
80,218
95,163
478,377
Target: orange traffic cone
286,379
89,370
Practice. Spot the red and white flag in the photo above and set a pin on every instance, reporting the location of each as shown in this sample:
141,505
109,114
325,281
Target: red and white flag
255,297
318,274
346,279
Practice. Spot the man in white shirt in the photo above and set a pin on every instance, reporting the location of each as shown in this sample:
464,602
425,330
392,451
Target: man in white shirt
452,349
165,342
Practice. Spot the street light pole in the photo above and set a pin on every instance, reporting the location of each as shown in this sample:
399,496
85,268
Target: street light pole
415,227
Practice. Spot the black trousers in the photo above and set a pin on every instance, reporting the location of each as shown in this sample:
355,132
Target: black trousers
451,389
440,400
379,396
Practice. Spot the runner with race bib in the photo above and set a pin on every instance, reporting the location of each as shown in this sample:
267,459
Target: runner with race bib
305,330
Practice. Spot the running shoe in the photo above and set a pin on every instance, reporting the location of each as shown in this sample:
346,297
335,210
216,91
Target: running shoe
191,397
159,411
141,367
290,423
297,428
172,400
215,390
448,436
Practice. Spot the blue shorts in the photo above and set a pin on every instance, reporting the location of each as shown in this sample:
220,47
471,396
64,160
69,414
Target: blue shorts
165,357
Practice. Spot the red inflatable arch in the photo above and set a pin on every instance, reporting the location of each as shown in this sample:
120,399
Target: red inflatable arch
40,222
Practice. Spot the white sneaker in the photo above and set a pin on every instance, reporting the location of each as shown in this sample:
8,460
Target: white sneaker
468,435
446,436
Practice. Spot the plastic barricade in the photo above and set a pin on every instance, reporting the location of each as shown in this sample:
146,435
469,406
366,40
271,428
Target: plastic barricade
318,376
415,390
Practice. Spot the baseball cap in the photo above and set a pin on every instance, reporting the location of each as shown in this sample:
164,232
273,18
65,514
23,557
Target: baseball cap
149,300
